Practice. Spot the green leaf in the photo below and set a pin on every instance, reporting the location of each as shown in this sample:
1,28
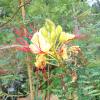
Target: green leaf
88,88
93,91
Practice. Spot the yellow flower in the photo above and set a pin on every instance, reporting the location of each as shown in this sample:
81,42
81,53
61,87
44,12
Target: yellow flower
58,30
65,37
63,52
48,38
39,44
75,49
44,32
40,61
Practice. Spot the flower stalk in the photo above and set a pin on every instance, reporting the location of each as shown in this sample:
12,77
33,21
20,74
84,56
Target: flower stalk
29,68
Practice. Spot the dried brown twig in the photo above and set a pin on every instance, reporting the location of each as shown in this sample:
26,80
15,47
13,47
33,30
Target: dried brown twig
10,46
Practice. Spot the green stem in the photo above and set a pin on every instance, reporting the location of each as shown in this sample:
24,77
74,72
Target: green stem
29,69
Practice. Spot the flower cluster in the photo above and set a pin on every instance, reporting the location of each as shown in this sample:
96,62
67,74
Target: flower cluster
49,42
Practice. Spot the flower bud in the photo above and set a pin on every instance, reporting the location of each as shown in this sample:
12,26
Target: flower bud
50,26
44,32
58,30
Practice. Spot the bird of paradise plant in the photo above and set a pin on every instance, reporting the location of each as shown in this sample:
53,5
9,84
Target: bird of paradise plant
50,45
51,41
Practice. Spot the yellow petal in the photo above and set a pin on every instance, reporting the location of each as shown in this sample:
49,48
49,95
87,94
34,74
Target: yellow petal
58,29
53,35
75,49
44,32
63,52
39,43
50,26
64,37
40,61
34,48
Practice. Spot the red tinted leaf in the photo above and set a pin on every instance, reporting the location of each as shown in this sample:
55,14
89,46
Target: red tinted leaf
44,70
17,31
22,31
29,37
24,49
33,28
22,41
